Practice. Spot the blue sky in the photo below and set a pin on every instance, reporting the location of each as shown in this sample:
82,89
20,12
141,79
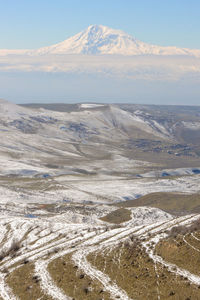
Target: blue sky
36,23
30,24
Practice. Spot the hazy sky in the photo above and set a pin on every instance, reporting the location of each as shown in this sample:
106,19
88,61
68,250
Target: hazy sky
36,23
29,24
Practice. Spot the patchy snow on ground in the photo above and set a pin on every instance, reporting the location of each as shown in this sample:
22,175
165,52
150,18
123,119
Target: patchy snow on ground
119,190
79,231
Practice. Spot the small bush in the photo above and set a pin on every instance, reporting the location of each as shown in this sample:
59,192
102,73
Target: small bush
55,250
15,246
36,278
2,255
195,226
5,270
26,261
180,229
12,251
172,293
86,290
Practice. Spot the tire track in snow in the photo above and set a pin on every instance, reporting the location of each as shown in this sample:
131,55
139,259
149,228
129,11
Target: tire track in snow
84,245
79,258
196,238
170,266
191,246
47,284
5,292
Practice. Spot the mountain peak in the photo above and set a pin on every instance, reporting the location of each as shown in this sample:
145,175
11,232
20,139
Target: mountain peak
103,29
96,39
96,28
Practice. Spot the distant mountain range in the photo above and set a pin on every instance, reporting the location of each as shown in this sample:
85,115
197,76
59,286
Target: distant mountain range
92,138
102,40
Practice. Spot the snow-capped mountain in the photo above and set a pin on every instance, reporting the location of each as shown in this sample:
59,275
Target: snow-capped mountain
98,39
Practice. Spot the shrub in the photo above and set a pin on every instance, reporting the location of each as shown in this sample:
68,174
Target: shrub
15,246
12,251
5,270
2,255
180,229
86,290
195,226
26,261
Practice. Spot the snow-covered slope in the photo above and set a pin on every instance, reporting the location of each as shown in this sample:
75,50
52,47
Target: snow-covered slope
31,139
11,111
98,39
103,121
88,139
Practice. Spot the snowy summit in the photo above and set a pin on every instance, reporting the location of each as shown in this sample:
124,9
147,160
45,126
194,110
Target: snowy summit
96,39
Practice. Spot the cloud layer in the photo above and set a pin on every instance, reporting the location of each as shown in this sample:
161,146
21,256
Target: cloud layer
162,68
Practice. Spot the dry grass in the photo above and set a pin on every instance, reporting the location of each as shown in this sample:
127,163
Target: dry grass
177,251
118,216
25,284
74,282
132,269
171,202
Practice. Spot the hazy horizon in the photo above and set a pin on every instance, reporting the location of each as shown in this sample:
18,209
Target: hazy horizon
72,72
65,88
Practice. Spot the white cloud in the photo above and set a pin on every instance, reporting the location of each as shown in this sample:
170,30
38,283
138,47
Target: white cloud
152,67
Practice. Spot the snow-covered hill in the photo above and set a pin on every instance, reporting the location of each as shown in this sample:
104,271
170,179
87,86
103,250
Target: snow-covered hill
90,120
93,139
98,39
